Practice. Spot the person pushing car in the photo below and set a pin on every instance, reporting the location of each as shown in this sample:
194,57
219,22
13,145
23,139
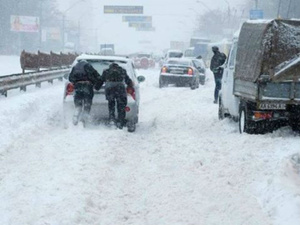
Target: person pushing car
115,78
84,77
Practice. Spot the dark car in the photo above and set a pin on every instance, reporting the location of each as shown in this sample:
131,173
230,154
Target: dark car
182,72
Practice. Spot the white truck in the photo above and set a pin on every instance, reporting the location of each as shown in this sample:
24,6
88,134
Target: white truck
261,85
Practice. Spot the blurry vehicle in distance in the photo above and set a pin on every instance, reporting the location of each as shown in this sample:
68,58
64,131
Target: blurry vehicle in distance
144,61
173,53
107,49
99,111
182,72
189,53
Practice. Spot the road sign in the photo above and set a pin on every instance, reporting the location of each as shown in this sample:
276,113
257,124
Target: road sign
145,29
140,25
117,9
137,18
256,14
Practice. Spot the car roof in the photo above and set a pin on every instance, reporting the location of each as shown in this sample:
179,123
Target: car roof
184,60
175,50
103,57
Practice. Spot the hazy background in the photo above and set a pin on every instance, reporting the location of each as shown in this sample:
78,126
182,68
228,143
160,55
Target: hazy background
81,25
172,20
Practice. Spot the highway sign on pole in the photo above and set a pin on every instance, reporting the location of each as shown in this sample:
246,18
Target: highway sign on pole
256,14
140,25
145,29
117,9
137,18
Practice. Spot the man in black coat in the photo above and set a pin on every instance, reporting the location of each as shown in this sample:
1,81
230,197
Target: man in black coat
115,78
84,77
217,61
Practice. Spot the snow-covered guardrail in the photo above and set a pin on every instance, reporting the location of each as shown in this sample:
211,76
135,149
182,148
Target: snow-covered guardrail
22,80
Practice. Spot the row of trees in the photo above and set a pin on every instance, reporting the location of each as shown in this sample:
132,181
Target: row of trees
218,24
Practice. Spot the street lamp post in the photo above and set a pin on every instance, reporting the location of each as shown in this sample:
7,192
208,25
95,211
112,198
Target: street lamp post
64,19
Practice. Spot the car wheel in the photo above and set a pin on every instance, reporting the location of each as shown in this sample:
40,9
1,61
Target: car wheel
131,126
202,81
162,83
193,85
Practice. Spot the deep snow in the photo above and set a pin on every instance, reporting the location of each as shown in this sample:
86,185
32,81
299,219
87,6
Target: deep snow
181,166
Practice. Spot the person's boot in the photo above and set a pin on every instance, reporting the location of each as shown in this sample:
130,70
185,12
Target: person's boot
76,116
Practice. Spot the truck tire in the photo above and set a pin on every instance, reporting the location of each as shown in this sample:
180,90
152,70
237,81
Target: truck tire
221,113
245,125
295,125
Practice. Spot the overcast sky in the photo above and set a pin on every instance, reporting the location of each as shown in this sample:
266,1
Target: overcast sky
172,20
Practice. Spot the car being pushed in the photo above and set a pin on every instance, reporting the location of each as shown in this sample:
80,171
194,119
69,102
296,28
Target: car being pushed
181,72
99,110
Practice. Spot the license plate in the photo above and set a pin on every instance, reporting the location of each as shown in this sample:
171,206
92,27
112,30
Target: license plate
176,71
280,106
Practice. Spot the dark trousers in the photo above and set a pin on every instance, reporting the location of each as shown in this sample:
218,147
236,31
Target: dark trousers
83,98
116,94
218,84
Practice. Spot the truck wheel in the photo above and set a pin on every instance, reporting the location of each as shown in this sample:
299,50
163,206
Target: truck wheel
295,125
221,114
245,125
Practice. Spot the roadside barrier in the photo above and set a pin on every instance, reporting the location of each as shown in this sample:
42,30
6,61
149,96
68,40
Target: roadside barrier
43,67
41,60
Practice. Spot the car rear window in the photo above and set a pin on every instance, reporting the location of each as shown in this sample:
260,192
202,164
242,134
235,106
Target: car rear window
177,62
101,65
175,54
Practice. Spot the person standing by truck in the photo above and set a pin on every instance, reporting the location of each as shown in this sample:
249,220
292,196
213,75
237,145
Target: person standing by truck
217,61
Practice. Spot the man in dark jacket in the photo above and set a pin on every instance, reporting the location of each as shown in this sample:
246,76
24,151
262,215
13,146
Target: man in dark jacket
84,77
217,61
115,78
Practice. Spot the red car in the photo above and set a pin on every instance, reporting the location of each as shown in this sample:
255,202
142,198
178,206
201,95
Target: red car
144,61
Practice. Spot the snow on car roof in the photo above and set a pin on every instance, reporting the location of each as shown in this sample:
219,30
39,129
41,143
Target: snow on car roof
103,57
175,50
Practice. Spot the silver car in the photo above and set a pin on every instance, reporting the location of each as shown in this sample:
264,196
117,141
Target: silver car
99,110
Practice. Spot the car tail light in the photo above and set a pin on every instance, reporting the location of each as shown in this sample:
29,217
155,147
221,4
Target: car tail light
262,115
131,91
69,89
164,69
127,109
190,71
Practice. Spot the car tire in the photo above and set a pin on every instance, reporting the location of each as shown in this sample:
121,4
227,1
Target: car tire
162,83
131,126
202,81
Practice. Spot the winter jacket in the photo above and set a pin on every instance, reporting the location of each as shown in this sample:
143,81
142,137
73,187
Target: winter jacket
114,75
84,72
217,60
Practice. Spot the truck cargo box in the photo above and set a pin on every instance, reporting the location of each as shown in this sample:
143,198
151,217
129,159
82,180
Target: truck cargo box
269,48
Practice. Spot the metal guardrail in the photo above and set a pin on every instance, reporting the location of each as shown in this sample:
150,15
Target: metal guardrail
22,80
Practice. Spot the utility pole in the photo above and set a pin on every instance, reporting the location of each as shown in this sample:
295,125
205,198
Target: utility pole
64,20
256,4
278,11
289,8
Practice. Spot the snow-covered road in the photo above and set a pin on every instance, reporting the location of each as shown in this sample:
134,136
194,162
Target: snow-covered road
182,165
